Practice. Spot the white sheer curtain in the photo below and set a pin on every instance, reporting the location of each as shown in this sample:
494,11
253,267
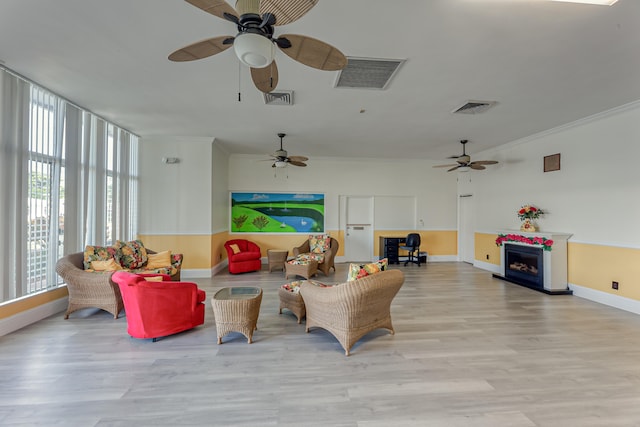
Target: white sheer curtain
14,130
76,171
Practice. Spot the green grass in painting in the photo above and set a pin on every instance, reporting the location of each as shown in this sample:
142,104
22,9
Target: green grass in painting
249,221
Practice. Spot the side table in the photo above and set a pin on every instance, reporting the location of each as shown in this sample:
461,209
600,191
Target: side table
277,258
236,309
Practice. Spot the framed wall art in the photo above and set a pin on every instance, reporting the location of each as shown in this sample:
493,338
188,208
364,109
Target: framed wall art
552,163
277,212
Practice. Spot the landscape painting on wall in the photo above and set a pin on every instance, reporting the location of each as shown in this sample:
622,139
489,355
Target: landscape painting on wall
277,213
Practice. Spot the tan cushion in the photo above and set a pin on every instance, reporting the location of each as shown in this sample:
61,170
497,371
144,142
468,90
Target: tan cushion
159,260
108,265
153,278
235,248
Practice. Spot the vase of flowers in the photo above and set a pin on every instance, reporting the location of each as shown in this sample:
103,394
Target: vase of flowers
527,214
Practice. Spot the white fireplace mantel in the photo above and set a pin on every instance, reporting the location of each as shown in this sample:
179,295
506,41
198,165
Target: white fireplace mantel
554,261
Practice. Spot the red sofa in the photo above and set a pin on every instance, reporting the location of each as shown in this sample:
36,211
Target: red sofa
246,259
159,309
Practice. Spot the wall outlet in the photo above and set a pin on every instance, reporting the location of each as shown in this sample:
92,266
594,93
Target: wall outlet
614,285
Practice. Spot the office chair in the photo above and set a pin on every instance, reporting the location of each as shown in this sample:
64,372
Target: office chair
412,245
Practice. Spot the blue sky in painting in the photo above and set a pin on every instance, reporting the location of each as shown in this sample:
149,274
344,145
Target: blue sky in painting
275,197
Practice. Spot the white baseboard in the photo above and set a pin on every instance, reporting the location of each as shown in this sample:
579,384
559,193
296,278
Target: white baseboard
25,318
606,298
487,266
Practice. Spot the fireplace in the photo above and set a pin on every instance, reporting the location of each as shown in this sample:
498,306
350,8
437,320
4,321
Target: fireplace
524,265
526,262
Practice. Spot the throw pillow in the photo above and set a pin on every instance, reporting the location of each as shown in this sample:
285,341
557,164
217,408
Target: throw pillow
235,248
319,244
131,254
98,253
358,271
153,278
159,260
109,265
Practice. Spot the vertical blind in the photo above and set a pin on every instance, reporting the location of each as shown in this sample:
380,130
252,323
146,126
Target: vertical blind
69,178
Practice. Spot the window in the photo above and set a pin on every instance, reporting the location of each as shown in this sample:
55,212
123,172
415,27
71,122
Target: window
75,183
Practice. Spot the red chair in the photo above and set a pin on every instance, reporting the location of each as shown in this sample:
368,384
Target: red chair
243,256
158,309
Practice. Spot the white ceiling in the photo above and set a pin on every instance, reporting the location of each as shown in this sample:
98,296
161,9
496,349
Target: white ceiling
545,63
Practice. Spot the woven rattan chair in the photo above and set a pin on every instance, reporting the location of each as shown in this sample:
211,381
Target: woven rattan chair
91,289
328,263
351,310
87,289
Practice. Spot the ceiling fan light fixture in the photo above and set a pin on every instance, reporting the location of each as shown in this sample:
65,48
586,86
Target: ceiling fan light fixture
464,169
280,164
254,50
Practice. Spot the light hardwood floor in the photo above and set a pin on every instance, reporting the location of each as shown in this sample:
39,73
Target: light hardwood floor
469,350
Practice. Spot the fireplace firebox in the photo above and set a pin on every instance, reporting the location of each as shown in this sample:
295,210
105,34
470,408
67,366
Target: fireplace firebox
524,265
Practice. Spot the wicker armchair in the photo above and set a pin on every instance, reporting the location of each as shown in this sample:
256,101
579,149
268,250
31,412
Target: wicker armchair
351,310
329,256
92,289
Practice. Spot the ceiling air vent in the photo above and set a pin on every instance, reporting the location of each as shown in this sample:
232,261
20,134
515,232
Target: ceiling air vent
368,73
281,97
475,107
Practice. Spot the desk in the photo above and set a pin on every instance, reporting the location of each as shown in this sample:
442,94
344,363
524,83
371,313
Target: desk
389,248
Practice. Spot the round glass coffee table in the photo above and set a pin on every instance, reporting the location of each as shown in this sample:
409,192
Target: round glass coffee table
236,309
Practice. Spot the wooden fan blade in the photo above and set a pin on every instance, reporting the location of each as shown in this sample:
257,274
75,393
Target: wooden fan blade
201,49
214,7
298,158
265,79
476,166
444,166
286,11
484,162
296,163
453,168
314,53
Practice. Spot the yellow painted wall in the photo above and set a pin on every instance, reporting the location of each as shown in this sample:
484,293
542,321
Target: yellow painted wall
218,253
28,303
196,249
485,244
596,266
589,266
433,242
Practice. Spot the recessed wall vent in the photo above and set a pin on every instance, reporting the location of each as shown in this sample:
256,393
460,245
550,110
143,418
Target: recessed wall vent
475,107
281,97
368,73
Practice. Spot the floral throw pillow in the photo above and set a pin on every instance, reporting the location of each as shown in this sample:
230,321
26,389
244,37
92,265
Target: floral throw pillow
319,244
98,253
358,271
131,254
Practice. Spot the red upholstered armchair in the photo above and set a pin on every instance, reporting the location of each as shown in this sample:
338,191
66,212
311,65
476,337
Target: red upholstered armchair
243,256
158,309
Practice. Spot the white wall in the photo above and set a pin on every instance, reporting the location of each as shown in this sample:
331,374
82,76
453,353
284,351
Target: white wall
595,194
434,189
220,193
176,198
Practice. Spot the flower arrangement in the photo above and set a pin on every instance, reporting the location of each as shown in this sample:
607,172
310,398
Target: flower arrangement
542,241
529,212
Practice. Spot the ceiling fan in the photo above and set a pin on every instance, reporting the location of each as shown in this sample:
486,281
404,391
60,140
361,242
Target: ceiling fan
281,158
255,42
465,163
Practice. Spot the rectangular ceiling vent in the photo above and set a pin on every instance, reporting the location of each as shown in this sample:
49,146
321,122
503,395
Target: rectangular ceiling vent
475,107
281,97
368,73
